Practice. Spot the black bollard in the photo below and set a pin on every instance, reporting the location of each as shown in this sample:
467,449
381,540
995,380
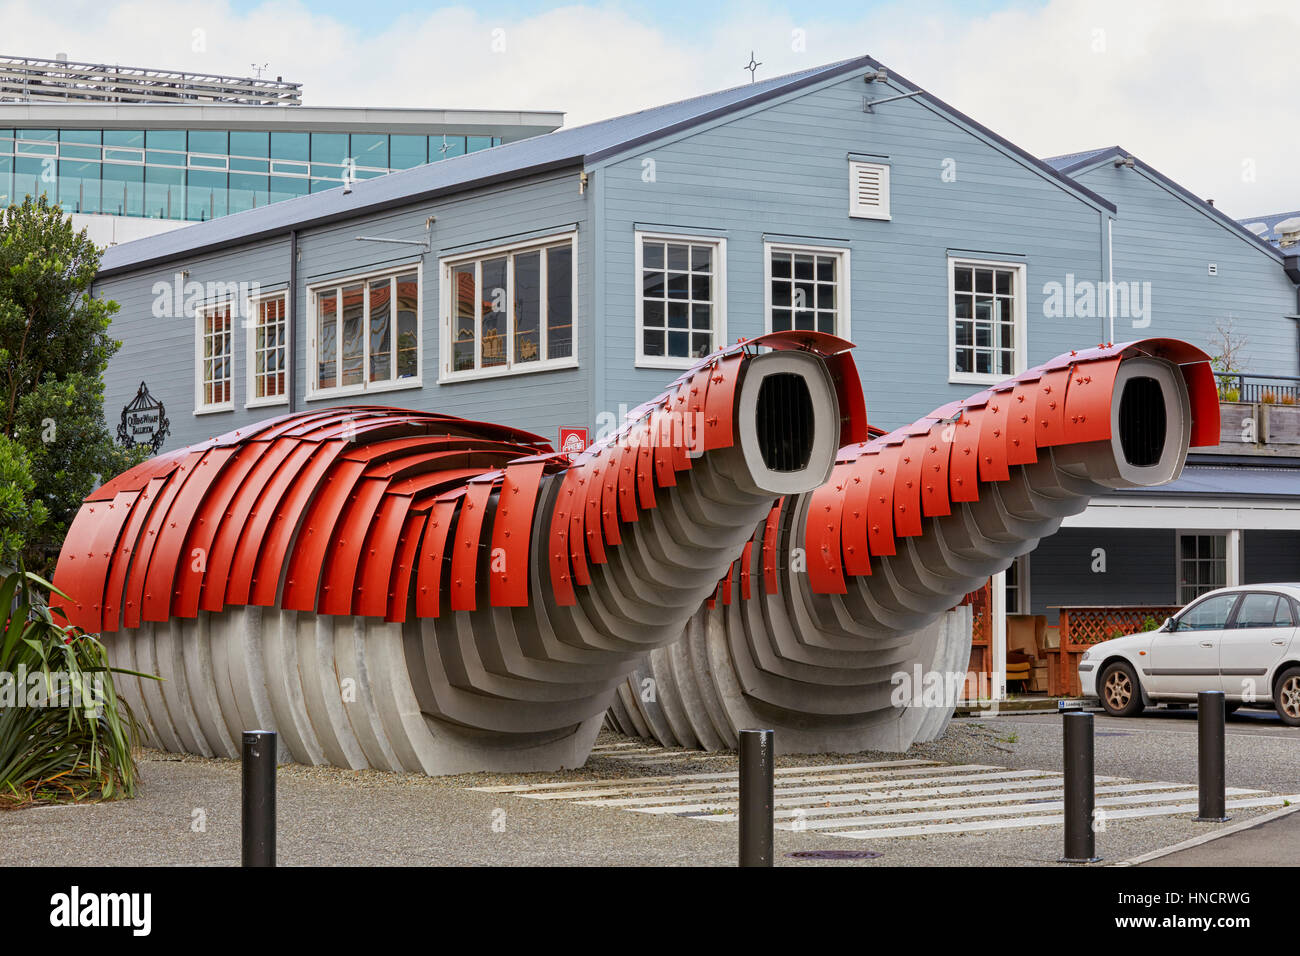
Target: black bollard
1080,840
1212,790
756,768
258,810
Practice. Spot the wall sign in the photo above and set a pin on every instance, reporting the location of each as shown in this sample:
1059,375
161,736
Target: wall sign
144,421
573,440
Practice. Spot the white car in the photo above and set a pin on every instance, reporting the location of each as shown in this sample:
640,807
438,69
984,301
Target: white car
1244,641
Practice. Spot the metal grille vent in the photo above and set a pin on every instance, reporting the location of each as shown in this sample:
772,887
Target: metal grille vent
1142,423
785,422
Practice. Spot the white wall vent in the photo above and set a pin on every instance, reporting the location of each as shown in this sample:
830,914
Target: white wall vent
868,190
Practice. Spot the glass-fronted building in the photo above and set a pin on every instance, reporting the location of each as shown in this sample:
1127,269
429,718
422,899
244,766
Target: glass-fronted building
130,152
200,174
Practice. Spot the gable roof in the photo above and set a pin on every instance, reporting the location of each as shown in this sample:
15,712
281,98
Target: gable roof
564,148
1071,164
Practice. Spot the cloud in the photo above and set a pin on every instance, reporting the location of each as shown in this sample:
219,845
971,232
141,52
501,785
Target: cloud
1200,89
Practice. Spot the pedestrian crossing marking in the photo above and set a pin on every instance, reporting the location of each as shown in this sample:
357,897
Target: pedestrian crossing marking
877,799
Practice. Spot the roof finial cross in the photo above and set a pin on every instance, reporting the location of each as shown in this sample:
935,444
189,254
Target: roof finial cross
752,66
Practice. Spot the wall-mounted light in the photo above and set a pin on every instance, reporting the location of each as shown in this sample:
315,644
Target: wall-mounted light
1127,161
880,76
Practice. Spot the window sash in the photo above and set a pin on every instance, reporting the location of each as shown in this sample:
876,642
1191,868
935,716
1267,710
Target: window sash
356,361
269,366
791,296
1202,564
985,326
685,319
470,302
215,358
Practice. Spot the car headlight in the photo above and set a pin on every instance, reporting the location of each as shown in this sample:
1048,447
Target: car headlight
1086,655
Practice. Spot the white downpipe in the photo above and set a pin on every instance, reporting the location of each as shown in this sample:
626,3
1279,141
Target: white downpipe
998,613
1110,278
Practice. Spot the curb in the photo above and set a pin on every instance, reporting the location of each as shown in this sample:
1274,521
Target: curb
1211,837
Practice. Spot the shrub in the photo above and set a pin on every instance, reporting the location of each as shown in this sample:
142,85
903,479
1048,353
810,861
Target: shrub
64,732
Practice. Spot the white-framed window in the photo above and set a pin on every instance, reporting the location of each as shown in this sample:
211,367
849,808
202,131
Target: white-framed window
213,358
509,309
268,345
806,287
1017,586
365,334
986,320
868,190
681,298
1202,563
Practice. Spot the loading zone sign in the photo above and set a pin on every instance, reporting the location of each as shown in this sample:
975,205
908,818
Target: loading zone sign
144,421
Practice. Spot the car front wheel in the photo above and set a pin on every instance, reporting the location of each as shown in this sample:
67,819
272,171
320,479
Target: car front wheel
1287,696
1121,694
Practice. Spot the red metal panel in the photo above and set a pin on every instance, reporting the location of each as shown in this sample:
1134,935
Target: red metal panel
207,520
464,557
645,479
856,516
993,438
1204,395
822,534
609,496
853,404
1022,445
432,551
771,529
84,574
271,557
231,525
558,548
719,403
1088,399
661,426
159,466
320,527
115,592
379,554
1050,413
252,532
963,464
339,576
408,548
512,528
746,564
173,559
577,518
880,499
934,470
159,524
684,440
627,508
593,492
725,583
907,487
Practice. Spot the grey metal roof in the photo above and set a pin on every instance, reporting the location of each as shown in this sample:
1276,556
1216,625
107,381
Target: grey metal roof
1230,481
563,148
1072,163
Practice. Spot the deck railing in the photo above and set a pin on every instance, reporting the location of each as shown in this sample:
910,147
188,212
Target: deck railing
1258,389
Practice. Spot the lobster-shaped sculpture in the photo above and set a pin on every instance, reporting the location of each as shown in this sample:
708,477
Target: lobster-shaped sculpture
412,591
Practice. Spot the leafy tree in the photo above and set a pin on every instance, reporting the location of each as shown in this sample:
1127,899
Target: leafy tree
54,347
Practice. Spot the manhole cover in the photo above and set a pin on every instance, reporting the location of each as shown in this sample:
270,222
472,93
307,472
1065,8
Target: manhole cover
834,854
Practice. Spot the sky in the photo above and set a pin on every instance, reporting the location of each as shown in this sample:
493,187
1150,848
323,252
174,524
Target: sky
1203,90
